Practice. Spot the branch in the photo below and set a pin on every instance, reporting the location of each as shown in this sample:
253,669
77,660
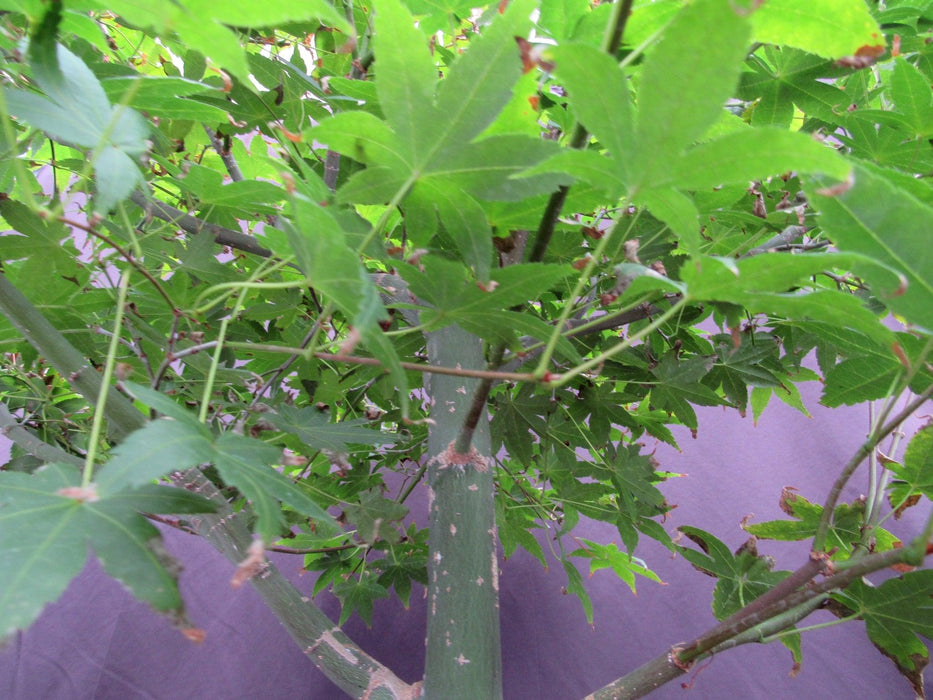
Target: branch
327,646
71,364
125,254
679,660
194,225
233,168
11,429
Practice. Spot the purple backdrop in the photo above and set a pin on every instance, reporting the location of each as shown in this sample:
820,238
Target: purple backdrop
97,642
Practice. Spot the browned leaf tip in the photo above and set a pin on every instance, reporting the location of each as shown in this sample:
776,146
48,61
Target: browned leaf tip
864,57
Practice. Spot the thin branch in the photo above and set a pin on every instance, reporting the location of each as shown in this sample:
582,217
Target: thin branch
611,43
194,225
233,168
320,550
331,170
125,254
486,374
478,404
782,240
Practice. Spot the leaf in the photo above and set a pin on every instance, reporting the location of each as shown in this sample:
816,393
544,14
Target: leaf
40,241
686,80
429,157
915,476
513,526
373,517
319,243
896,614
912,96
76,111
164,97
844,534
200,23
157,401
154,498
315,429
358,596
45,534
743,576
161,446
803,24
623,564
752,154
606,112
405,82
896,235
404,563
575,586
860,379
40,549
247,464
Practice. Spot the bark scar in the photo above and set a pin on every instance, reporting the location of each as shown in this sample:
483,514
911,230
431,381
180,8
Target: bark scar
450,458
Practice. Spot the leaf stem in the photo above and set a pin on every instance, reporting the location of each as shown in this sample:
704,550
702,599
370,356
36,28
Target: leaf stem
215,361
100,406
877,435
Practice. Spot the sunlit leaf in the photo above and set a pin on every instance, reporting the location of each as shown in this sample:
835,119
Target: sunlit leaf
803,23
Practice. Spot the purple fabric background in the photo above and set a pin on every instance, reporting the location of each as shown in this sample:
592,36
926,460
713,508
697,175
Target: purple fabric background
97,642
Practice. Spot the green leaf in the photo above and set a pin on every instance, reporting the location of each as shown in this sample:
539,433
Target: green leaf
915,476
429,156
803,24
607,111
685,82
896,235
623,564
479,83
46,525
575,586
153,498
316,430
912,96
896,614
77,112
159,402
844,534
41,550
859,379
752,154
158,448
405,80
358,596
247,464
269,13
164,97
743,576
513,526
404,563
373,517
319,243
677,211
41,241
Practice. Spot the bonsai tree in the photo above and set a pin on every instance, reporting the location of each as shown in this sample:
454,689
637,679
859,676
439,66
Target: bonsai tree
270,268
